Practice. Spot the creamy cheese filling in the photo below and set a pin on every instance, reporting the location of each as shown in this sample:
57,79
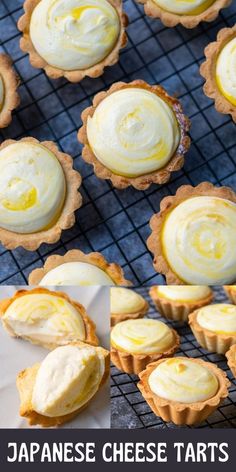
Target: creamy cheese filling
124,300
1,92
44,319
133,132
198,240
67,379
184,7
32,187
219,318
74,34
142,336
76,273
226,71
183,293
182,380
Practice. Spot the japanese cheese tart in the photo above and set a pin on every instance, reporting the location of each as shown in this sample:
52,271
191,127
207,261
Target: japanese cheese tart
54,391
177,302
231,358
230,290
193,236
9,98
78,268
47,318
136,343
219,71
39,193
126,304
134,134
214,326
188,13
165,385
74,39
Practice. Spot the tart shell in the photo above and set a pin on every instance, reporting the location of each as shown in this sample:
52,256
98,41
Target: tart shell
25,384
90,327
174,310
183,413
73,201
208,71
135,363
209,340
118,317
95,258
167,204
231,358
188,21
230,293
11,82
74,76
159,176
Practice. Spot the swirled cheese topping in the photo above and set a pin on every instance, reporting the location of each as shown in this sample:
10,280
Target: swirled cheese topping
183,380
183,293
184,7
32,187
142,336
226,71
76,273
1,92
219,318
44,319
133,132
124,300
198,239
67,379
74,34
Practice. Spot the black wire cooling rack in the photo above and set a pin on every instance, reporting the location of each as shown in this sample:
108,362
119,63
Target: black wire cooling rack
111,221
130,410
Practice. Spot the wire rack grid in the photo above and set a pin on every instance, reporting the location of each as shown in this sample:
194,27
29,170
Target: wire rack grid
111,221
130,410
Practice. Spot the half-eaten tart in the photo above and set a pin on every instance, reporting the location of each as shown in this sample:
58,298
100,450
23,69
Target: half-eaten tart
56,390
134,134
47,318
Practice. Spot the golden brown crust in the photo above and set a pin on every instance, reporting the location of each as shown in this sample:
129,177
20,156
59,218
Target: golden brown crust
135,363
25,384
160,176
188,21
73,201
175,310
118,317
77,75
11,82
213,342
113,270
208,71
231,293
183,413
90,327
168,204
231,358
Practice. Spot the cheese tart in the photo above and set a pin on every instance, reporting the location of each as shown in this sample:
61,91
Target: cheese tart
9,97
126,304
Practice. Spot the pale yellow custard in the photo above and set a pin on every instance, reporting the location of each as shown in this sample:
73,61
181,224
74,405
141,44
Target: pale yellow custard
183,293
67,379
182,380
124,300
44,319
74,34
185,7
142,336
32,187
219,318
133,132
226,71
198,240
76,273
1,92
